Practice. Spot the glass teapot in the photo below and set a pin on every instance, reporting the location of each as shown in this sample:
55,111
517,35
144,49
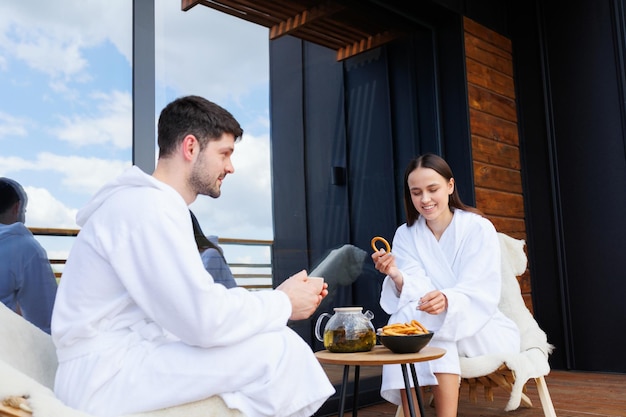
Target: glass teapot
348,330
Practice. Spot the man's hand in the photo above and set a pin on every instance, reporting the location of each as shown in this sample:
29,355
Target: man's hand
304,299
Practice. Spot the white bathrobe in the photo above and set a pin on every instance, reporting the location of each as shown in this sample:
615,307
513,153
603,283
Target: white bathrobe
140,325
465,265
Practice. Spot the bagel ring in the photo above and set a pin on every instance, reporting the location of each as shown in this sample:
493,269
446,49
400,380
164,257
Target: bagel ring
380,239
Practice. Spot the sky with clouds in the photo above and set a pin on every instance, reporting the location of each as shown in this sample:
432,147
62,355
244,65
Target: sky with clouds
66,103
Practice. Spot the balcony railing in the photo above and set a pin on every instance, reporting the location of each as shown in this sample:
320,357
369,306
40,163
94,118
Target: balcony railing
251,275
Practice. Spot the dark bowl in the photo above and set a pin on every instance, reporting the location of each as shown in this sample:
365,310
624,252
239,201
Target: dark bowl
410,343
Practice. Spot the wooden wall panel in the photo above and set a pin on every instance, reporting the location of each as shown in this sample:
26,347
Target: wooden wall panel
489,78
494,153
499,203
512,227
495,139
492,127
493,177
489,37
491,102
483,51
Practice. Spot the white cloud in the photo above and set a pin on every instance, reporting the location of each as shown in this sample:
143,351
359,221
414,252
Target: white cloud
51,36
9,164
12,126
63,89
44,209
209,53
78,174
201,51
58,58
112,125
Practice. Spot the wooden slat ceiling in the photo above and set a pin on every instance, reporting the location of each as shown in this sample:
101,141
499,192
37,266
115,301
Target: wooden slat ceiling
347,27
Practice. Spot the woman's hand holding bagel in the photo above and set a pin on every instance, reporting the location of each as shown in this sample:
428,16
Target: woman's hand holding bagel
385,262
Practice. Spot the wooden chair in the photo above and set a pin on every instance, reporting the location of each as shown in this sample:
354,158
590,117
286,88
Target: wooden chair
28,365
512,372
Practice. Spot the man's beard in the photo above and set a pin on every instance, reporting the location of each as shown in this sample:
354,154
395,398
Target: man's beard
201,184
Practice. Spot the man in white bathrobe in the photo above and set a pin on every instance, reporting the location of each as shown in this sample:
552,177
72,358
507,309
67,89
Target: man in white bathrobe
139,323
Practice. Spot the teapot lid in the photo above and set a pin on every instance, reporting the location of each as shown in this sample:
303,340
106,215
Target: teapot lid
348,309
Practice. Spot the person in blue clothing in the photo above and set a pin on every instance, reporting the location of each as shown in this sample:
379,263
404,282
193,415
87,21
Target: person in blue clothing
212,256
27,282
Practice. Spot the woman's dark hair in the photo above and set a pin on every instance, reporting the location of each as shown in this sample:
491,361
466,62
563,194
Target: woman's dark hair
194,115
439,165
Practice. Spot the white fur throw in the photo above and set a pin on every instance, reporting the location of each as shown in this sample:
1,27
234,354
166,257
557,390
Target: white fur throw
532,361
28,364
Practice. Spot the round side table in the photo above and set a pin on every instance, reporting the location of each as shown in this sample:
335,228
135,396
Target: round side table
378,356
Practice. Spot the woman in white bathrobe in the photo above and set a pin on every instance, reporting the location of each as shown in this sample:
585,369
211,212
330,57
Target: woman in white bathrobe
444,271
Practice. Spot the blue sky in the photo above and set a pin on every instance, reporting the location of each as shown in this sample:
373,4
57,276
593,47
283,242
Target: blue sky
66,103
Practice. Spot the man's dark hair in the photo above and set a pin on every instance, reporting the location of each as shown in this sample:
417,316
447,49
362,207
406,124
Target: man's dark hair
8,196
194,115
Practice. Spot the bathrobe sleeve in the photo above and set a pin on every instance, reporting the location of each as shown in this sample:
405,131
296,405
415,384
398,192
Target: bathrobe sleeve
416,283
154,254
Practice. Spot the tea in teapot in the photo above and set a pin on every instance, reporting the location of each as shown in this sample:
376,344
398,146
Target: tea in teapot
348,330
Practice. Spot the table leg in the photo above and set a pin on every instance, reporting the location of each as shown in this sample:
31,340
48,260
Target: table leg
355,395
344,386
407,386
418,390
